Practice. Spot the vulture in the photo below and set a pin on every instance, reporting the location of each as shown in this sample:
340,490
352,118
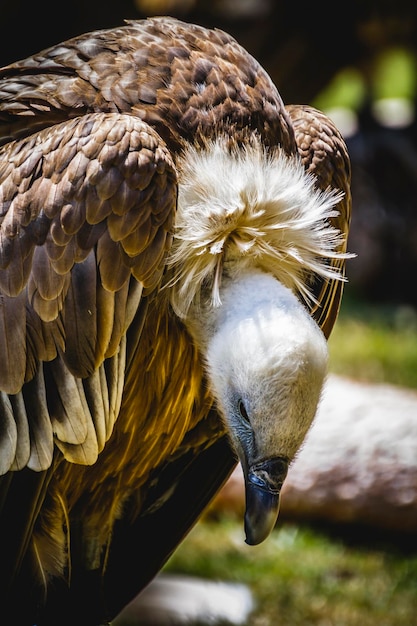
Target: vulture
173,242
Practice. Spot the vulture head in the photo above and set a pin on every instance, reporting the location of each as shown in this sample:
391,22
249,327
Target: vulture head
250,226
267,362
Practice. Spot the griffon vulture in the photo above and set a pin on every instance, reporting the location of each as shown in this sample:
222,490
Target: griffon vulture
172,254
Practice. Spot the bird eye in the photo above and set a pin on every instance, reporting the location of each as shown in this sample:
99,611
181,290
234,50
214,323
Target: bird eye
242,410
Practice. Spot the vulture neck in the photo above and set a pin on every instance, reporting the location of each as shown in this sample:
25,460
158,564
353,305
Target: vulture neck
252,304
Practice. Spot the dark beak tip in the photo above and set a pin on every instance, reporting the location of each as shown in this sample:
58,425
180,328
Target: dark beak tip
261,514
251,540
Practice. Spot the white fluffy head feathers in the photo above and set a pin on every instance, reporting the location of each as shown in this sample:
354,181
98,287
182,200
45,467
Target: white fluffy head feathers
250,206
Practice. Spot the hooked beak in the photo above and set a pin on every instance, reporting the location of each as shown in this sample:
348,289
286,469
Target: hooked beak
263,483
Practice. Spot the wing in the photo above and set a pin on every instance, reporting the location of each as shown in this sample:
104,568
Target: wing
87,210
324,154
87,214
181,79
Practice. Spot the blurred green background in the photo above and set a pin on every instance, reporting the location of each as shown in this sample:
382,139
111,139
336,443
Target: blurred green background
357,61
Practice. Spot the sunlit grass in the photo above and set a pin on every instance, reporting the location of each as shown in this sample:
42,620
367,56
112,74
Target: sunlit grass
375,344
300,576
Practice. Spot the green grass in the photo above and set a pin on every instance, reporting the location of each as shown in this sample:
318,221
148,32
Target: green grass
375,344
304,576
301,576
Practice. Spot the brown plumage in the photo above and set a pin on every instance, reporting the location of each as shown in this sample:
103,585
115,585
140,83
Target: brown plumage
114,425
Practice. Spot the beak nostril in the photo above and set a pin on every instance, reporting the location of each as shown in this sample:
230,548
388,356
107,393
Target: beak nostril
271,473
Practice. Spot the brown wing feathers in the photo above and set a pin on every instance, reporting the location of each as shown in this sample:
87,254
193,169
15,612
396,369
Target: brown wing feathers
81,193
171,75
82,201
324,154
